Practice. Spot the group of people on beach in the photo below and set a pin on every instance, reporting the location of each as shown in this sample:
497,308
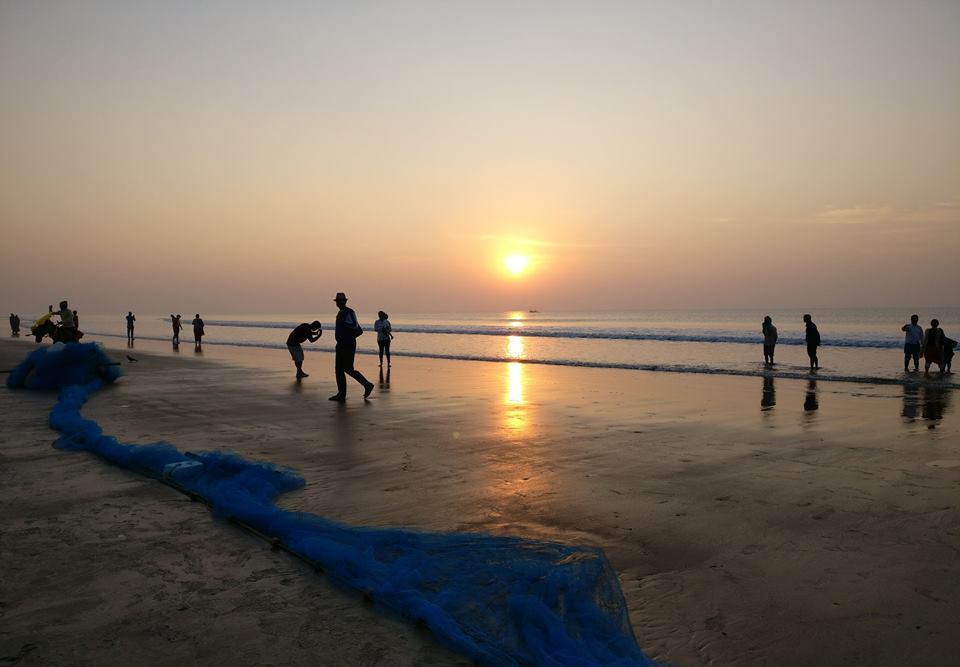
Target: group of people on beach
933,344
197,324
67,330
347,330
811,336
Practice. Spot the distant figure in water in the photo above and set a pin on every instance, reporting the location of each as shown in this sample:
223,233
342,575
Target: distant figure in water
14,325
301,334
912,343
197,330
933,347
131,318
347,331
949,345
813,342
769,340
384,335
177,326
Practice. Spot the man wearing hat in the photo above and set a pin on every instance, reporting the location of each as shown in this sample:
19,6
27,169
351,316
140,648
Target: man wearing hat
346,333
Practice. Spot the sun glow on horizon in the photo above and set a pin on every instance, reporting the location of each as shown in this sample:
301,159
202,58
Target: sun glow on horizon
516,264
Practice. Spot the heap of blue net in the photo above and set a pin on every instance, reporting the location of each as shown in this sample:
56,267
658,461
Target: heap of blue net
502,601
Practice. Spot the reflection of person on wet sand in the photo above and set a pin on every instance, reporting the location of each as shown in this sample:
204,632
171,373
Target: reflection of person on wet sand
769,396
769,340
810,401
910,398
935,402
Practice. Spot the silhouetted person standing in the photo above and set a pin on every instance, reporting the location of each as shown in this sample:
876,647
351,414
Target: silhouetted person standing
346,333
177,326
813,342
912,343
68,329
131,318
769,340
949,347
933,347
76,320
14,325
197,330
301,334
384,335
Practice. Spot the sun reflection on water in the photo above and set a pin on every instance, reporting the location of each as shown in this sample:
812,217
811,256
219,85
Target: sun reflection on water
515,347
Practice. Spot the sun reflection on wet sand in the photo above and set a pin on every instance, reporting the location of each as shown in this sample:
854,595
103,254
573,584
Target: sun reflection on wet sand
515,416
514,384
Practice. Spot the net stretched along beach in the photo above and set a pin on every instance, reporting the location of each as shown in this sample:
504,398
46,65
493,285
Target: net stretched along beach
501,601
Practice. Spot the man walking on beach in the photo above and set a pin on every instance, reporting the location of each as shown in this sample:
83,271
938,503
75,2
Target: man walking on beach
912,343
813,342
131,318
301,334
346,333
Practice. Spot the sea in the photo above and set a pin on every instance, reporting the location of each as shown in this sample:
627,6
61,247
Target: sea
858,345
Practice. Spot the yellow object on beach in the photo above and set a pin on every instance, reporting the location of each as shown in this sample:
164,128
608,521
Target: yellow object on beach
40,321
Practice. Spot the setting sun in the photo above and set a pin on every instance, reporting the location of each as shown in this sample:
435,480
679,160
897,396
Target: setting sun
516,264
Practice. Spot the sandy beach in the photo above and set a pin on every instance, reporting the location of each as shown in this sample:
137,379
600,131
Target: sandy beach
752,522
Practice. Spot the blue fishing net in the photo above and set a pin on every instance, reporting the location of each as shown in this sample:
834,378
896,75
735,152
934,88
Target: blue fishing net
502,601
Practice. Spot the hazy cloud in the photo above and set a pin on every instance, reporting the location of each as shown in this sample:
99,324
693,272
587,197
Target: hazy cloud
946,212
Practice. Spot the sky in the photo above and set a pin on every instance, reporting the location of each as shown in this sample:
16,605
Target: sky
257,157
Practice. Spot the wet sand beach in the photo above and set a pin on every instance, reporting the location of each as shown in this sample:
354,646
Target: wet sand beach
752,521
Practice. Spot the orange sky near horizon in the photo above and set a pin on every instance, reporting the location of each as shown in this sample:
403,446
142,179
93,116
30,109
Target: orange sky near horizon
255,158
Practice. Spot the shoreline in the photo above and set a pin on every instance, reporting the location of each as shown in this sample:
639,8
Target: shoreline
913,378
722,518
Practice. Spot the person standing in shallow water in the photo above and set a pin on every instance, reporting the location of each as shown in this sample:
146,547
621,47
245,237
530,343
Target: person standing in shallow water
769,340
912,343
197,330
131,318
812,337
177,326
384,335
301,334
346,333
933,347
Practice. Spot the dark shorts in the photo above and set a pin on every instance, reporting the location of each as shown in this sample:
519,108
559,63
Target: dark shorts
812,349
296,352
912,350
768,350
